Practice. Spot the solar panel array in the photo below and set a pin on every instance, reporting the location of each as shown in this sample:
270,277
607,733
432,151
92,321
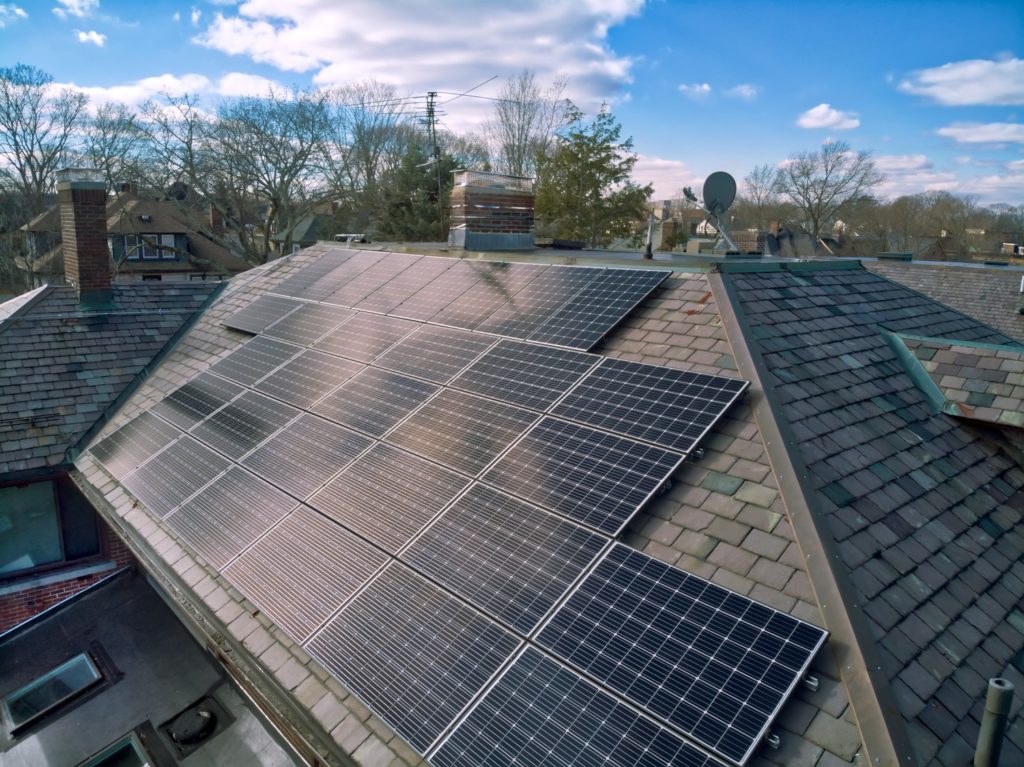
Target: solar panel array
431,512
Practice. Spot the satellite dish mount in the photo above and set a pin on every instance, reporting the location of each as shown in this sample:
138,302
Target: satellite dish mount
719,194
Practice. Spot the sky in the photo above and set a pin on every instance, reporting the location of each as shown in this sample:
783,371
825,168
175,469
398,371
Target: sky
934,90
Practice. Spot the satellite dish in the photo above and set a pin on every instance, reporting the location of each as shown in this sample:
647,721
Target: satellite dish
719,192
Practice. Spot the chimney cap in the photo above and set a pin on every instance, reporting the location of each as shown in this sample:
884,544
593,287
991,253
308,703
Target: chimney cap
79,175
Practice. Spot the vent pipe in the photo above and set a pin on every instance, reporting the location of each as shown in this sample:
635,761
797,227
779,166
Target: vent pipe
993,722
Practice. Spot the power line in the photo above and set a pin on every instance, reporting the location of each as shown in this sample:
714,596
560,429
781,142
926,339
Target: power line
467,93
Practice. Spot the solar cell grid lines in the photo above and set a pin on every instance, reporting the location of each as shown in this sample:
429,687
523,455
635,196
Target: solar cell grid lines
438,293
541,713
529,309
366,282
173,475
261,313
308,323
525,374
374,400
388,495
243,423
388,296
498,283
255,359
461,431
365,336
318,286
509,559
299,283
302,571
133,443
414,654
308,377
228,515
669,407
591,477
436,354
304,456
710,662
189,404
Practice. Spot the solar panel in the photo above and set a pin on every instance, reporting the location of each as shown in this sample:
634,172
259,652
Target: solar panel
189,404
437,354
304,456
264,311
369,280
133,443
308,377
461,431
599,307
528,375
509,559
527,311
541,713
499,282
413,279
254,360
228,515
308,323
170,477
374,400
412,653
322,286
365,336
710,662
243,424
303,570
439,292
388,495
671,408
591,477
300,283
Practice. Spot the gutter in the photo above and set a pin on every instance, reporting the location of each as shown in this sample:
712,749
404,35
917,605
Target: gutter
883,734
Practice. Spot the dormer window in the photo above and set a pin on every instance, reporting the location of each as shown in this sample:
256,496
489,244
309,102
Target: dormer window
143,247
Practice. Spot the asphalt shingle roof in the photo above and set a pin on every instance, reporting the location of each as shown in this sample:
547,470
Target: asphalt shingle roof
62,367
927,514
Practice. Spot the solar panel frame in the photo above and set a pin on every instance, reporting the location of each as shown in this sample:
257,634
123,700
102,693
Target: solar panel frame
712,663
298,284
388,297
666,406
539,712
133,443
412,653
461,431
301,458
506,557
591,477
243,423
371,279
499,283
192,402
436,354
303,570
388,495
256,358
261,313
309,323
173,475
308,377
365,336
228,515
530,308
525,374
374,400
438,293
323,286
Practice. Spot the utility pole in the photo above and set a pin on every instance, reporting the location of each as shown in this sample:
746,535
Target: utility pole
436,156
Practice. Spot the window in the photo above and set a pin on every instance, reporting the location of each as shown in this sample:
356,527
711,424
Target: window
127,752
144,247
43,695
45,525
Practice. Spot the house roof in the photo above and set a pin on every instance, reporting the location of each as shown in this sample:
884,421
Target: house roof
63,367
310,229
921,511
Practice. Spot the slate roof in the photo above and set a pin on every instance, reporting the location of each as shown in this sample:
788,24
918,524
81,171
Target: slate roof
723,519
62,367
925,512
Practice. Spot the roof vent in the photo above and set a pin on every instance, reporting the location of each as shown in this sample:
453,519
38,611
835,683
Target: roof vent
146,218
196,725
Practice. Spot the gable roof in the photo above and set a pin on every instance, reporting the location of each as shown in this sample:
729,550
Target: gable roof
62,368
926,514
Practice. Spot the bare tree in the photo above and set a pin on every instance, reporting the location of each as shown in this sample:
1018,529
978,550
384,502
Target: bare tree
113,142
37,125
177,129
820,183
761,193
524,124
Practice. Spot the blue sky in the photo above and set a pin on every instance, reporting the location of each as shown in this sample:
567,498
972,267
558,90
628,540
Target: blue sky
935,90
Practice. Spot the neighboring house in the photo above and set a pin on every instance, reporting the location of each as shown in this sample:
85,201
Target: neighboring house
151,240
307,231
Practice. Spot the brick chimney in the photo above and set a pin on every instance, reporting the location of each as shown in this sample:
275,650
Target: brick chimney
216,221
82,196
491,211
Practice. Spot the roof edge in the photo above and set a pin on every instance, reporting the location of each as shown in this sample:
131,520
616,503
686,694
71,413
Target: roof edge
729,267
40,293
883,734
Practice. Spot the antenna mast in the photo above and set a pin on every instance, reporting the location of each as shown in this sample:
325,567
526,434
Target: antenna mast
435,156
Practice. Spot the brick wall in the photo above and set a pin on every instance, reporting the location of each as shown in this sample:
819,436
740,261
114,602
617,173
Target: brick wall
487,209
83,219
22,605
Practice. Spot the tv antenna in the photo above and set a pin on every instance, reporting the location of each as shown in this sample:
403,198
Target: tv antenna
719,193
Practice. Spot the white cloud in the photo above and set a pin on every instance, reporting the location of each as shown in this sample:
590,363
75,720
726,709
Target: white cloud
176,17
416,46
696,91
10,12
196,15
1016,166
976,81
984,133
92,36
902,163
241,84
1004,187
667,176
744,91
911,174
77,8
136,92
824,116
964,159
